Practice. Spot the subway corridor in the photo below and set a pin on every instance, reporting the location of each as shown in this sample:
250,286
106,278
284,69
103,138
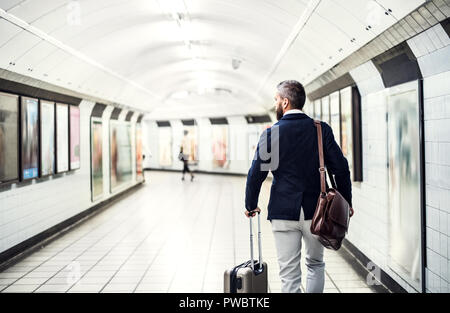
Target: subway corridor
166,236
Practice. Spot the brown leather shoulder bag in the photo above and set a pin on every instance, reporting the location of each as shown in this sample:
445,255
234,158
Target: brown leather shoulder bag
332,216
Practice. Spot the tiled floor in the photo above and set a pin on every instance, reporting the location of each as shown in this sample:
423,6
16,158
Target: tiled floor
168,236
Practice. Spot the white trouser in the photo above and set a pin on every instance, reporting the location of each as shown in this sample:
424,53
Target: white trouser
288,240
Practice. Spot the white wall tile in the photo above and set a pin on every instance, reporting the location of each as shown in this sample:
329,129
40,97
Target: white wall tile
444,269
444,175
417,47
437,85
432,176
433,261
432,196
442,130
432,34
444,153
442,34
428,41
448,266
433,218
430,135
443,220
429,237
444,245
435,62
436,238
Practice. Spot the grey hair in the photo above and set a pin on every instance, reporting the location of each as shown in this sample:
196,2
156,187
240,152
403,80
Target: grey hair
294,92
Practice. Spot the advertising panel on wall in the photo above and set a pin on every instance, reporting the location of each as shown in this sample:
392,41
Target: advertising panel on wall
347,126
220,146
317,110
404,183
9,138
190,143
326,109
165,146
74,137
96,158
120,154
139,156
308,109
335,121
47,138
254,135
30,138
62,138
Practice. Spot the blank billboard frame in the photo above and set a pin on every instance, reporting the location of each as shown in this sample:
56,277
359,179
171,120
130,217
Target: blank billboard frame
66,168
35,171
15,179
41,121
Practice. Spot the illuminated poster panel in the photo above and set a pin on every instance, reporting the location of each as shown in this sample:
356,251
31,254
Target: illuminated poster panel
120,149
220,146
335,121
326,109
190,143
317,110
97,158
47,138
30,138
139,157
404,183
74,137
254,135
165,146
9,138
347,126
62,138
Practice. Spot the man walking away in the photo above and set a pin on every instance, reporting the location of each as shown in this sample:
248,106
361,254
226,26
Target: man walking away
292,147
184,158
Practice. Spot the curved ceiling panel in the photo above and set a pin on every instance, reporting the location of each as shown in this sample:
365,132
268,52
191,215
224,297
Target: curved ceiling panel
172,56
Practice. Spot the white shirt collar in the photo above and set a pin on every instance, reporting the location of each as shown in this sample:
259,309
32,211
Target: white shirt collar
294,111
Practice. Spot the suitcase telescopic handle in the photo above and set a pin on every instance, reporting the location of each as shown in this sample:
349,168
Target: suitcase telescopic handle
259,242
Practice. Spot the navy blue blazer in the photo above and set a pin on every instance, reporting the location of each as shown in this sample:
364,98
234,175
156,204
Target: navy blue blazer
296,179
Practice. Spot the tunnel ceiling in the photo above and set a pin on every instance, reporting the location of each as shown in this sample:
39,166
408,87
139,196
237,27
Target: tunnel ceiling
176,58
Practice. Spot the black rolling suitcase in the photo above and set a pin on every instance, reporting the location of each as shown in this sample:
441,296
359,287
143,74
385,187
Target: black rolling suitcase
251,276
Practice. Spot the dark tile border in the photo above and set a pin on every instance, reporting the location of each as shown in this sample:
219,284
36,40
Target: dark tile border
357,259
34,92
17,253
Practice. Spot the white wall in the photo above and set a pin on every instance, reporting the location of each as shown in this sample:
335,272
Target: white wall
369,227
432,48
26,211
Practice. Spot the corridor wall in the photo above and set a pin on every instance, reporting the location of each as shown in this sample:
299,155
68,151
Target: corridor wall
432,49
369,230
29,208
